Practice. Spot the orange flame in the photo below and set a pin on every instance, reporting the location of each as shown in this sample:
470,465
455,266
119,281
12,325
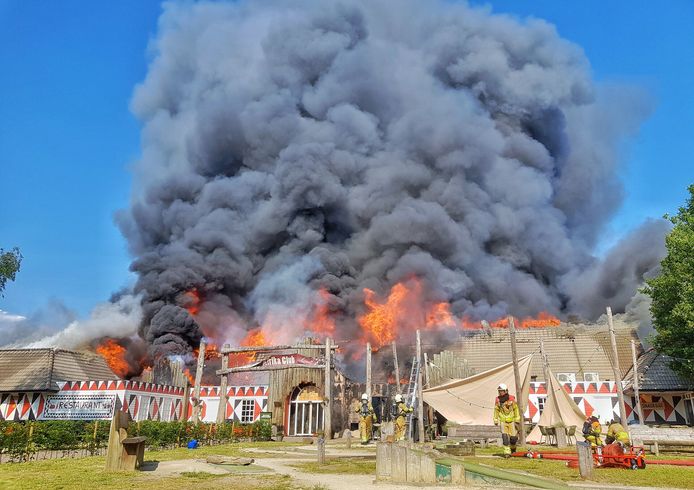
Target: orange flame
193,299
391,380
191,378
380,323
114,354
404,310
440,316
542,320
211,351
321,320
253,338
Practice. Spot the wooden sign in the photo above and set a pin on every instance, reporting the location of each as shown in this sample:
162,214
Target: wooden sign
291,359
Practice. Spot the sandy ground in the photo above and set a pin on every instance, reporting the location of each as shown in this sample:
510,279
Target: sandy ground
281,464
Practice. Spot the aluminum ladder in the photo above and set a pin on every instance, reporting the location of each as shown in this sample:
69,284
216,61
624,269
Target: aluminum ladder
411,397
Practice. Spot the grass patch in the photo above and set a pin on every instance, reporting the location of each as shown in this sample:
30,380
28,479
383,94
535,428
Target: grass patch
656,476
343,466
67,474
237,449
200,475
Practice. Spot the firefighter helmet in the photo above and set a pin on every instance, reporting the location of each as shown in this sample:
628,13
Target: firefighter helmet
398,398
502,387
364,396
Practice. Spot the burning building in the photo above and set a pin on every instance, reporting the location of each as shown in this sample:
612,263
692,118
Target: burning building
327,169
339,169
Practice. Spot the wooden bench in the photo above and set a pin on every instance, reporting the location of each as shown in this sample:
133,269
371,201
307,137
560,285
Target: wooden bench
123,453
481,435
133,452
655,445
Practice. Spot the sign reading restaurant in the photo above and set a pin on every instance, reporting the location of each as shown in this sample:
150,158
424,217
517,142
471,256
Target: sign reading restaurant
79,406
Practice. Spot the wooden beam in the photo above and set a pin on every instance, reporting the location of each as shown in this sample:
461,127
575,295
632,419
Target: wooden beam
615,369
198,380
328,409
516,376
639,411
265,348
186,401
220,372
397,368
222,409
427,382
368,370
420,402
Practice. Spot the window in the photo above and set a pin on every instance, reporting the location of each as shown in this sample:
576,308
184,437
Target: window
591,377
247,411
566,377
541,401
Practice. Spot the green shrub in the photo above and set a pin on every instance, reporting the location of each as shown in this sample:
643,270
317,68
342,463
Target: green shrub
262,430
75,434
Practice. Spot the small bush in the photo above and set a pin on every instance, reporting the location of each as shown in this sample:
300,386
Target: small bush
262,430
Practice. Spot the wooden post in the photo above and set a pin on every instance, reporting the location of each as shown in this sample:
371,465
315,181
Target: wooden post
368,370
224,379
27,449
96,429
397,368
328,409
615,369
186,401
585,460
548,384
639,411
420,402
321,450
545,370
198,380
516,376
344,417
427,381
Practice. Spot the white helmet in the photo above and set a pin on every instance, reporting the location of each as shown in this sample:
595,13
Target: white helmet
365,396
502,387
398,398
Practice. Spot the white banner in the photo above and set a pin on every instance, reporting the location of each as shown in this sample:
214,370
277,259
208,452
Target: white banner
79,406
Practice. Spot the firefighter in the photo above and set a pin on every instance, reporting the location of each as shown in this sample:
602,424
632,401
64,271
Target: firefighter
400,411
616,433
367,417
507,414
592,431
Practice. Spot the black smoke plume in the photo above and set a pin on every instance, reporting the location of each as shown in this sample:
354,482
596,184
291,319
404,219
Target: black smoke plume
295,146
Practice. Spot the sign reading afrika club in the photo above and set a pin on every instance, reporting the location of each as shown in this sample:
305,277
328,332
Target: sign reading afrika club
79,406
291,359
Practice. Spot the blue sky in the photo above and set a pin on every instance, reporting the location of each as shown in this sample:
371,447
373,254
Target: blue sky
67,137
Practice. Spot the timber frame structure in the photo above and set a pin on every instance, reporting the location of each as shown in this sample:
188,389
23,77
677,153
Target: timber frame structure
287,378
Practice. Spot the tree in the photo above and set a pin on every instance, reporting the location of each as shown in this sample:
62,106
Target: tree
672,292
9,266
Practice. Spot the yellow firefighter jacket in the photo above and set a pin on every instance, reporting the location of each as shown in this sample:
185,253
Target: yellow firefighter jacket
507,411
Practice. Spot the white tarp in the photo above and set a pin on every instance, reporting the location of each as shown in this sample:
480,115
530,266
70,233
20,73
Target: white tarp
470,401
560,410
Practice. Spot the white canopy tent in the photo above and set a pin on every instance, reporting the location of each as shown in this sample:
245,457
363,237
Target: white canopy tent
560,410
470,401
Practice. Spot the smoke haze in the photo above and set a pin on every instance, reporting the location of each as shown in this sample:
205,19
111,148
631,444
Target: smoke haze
289,147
